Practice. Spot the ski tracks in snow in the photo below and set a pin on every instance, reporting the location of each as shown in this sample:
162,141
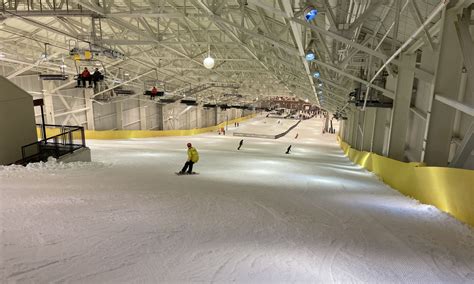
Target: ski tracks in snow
256,215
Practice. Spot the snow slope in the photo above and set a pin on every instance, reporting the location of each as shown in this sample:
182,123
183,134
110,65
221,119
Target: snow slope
254,215
265,126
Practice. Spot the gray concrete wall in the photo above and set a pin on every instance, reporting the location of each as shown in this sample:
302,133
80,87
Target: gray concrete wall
70,106
17,121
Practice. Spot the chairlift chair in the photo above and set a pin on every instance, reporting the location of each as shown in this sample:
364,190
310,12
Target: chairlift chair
119,91
95,64
98,64
149,84
189,102
168,100
53,77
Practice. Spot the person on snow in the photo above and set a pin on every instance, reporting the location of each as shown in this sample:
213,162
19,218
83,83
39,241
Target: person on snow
193,157
240,144
288,150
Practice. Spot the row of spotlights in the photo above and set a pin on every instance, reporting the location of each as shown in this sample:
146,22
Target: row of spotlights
311,15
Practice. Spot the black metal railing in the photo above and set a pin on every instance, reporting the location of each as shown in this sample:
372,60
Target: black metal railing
69,139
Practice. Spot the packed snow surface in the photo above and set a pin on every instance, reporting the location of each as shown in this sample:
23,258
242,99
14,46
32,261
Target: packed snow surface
266,126
251,216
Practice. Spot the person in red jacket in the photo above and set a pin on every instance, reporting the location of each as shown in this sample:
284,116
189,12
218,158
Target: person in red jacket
85,75
154,92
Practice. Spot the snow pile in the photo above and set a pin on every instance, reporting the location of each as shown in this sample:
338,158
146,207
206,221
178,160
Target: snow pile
51,167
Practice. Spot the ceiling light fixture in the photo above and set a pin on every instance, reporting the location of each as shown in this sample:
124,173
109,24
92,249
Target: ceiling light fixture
209,61
310,56
311,15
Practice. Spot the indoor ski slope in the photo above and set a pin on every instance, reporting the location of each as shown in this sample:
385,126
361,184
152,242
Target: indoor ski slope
251,216
265,126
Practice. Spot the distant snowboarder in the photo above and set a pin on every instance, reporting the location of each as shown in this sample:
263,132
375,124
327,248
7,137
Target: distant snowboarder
296,137
240,144
288,150
193,157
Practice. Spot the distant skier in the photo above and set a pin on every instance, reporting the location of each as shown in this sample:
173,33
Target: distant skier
288,150
296,137
240,144
193,157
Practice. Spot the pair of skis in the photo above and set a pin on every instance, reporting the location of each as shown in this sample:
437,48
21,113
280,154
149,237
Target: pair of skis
186,174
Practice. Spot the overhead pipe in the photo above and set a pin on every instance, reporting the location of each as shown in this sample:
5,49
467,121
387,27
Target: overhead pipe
435,12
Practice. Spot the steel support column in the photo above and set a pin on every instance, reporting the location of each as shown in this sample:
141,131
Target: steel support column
48,103
355,129
448,77
368,130
401,109
143,107
88,93
380,127
119,113
465,149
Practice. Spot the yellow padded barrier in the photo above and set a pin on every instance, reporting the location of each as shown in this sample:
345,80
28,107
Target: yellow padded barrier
126,134
450,190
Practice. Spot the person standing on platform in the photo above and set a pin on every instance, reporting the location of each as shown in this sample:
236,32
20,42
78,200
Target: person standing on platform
193,157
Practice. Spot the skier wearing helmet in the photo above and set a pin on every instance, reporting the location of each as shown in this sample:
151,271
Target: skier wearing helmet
193,157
